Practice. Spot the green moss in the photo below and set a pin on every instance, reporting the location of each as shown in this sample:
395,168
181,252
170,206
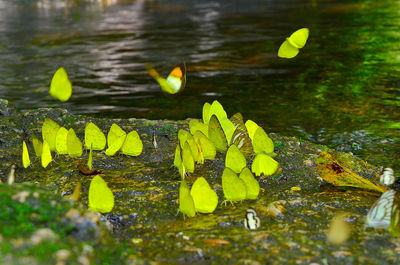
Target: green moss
168,129
21,216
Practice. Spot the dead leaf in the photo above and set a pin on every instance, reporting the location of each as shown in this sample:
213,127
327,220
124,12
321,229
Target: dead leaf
76,194
333,172
88,172
217,241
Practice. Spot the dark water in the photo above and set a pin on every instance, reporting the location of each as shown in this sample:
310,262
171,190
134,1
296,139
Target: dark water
343,89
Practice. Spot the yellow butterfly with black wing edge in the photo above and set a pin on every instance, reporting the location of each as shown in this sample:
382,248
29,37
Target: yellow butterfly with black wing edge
290,47
175,81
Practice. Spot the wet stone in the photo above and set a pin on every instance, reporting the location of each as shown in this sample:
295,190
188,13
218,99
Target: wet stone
145,220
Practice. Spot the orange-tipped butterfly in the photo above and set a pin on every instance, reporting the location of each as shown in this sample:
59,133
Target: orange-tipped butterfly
175,81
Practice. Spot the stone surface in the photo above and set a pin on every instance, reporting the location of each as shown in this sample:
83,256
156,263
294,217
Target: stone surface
146,198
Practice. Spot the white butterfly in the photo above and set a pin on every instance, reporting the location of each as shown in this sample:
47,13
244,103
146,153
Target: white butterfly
380,213
387,178
251,221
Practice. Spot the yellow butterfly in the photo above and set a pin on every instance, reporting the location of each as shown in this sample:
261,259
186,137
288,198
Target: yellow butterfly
37,146
214,109
264,164
90,159
60,86
61,141
26,161
262,143
196,125
46,154
207,148
94,137
178,162
233,187
251,127
115,139
205,199
49,133
132,146
101,198
228,128
175,81
187,158
185,137
216,134
290,47
74,145
206,113
234,159
252,185
186,203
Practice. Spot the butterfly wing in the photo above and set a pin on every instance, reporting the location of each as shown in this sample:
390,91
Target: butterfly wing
94,137
205,199
287,50
46,154
177,79
132,145
101,198
49,132
178,162
299,38
380,213
234,159
233,187
115,139
252,185
25,155
74,145
242,141
37,146
262,143
264,164
394,228
60,86
90,159
61,141
216,134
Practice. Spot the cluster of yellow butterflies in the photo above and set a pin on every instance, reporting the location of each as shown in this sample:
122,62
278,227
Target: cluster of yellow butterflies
63,141
215,133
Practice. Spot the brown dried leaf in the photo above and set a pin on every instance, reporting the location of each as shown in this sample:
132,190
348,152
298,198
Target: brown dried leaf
216,241
88,172
333,172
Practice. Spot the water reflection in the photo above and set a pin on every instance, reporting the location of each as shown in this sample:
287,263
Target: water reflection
342,89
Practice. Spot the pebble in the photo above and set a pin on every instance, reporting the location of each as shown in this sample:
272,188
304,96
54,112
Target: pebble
62,254
43,234
21,196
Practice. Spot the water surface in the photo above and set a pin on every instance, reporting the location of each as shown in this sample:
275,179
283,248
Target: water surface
343,89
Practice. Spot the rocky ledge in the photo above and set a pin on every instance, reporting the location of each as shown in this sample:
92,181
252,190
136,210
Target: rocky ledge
40,225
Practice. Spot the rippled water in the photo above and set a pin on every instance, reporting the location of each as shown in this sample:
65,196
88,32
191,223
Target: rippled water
343,89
